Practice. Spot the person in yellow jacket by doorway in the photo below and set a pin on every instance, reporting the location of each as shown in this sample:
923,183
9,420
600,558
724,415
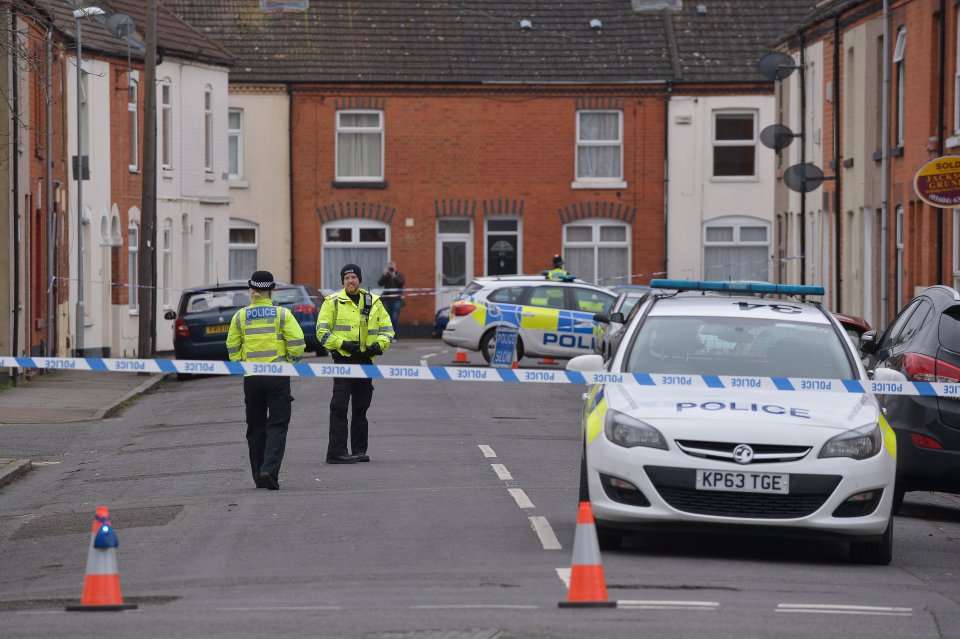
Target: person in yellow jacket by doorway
355,327
263,332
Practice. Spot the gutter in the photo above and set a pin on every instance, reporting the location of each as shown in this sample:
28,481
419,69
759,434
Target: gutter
885,167
941,98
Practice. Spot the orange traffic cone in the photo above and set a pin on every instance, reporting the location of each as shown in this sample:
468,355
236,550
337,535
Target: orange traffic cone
515,364
101,587
461,357
587,586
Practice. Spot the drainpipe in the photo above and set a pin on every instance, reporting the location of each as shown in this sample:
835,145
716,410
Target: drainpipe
293,277
666,180
15,152
803,157
837,170
885,166
48,178
941,96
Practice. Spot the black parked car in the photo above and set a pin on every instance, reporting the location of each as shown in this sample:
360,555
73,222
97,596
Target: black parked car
922,343
204,313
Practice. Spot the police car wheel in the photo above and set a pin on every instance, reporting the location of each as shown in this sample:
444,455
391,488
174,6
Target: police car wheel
878,553
488,341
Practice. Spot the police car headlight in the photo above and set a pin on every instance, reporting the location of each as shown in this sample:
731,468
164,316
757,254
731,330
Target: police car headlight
858,444
628,432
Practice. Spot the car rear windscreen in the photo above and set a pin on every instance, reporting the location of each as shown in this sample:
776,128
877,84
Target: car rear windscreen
949,331
206,301
735,346
287,296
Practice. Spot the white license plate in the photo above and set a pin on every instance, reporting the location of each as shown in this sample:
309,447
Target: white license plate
743,482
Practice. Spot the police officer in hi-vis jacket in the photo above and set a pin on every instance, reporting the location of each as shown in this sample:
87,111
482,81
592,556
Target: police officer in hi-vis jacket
355,327
263,332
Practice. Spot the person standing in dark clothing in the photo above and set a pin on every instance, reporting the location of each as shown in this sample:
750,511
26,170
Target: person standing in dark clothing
392,282
355,328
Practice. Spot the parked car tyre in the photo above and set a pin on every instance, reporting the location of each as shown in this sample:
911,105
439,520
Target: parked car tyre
488,343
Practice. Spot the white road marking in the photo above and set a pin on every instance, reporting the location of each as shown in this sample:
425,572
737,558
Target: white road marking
474,606
486,450
278,608
840,609
542,527
423,360
520,497
564,574
44,463
502,472
651,604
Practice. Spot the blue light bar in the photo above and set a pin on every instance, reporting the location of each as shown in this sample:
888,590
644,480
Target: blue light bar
737,287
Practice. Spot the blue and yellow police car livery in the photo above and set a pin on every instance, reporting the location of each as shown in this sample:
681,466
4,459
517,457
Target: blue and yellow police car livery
741,453
553,318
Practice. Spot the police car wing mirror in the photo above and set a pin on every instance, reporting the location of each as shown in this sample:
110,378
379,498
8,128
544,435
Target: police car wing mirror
617,317
886,375
586,363
603,318
868,343
170,315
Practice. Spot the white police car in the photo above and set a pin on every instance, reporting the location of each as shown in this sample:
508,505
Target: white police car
554,318
726,429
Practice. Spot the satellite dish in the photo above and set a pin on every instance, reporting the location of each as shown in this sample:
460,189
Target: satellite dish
777,137
120,25
803,178
776,66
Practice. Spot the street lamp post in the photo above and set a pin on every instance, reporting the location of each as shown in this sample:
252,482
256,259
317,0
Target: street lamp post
78,14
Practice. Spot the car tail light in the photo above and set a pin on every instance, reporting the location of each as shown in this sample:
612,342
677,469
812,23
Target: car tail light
922,368
180,329
925,442
306,309
461,309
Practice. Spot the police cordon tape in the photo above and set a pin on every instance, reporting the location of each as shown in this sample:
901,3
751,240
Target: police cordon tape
481,374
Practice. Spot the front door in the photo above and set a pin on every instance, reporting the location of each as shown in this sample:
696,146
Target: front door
454,258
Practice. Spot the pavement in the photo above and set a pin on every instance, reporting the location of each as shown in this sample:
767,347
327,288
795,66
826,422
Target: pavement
60,397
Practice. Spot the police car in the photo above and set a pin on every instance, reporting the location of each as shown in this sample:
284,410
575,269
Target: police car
728,432
553,318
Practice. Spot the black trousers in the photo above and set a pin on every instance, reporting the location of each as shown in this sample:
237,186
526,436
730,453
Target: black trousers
268,416
345,389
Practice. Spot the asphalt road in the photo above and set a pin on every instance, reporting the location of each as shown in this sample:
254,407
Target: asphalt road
461,526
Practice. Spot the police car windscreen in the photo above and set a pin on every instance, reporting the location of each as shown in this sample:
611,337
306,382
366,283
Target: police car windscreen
735,346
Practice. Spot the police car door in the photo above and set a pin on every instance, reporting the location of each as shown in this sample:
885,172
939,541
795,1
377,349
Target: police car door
584,304
540,321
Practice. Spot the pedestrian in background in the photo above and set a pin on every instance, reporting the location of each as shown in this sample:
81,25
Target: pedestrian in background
392,282
557,272
263,332
354,326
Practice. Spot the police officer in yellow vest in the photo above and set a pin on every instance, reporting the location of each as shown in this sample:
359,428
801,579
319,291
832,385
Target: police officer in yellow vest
263,332
355,327
557,272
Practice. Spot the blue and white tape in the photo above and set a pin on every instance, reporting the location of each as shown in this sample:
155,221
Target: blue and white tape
474,374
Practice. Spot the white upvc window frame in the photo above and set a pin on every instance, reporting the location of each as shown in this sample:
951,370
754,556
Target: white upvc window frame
235,133
742,142
737,224
379,130
133,267
899,264
133,100
597,244
207,250
591,182
239,224
166,266
899,54
166,124
208,129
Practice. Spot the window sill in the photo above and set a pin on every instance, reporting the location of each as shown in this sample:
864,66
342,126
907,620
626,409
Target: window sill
952,142
347,184
167,174
598,185
238,183
133,313
134,169
734,178
209,177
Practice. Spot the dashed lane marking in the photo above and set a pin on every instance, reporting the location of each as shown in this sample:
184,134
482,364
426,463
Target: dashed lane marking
520,497
423,360
474,606
650,604
840,609
278,608
502,472
548,539
486,450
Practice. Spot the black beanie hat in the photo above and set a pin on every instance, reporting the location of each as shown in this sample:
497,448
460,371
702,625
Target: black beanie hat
557,260
350,268
262,281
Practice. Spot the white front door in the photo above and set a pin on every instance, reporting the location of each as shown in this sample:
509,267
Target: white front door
454,258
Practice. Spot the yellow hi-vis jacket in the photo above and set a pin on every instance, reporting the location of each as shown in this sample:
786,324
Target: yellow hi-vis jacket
557,274
263,332
340,320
